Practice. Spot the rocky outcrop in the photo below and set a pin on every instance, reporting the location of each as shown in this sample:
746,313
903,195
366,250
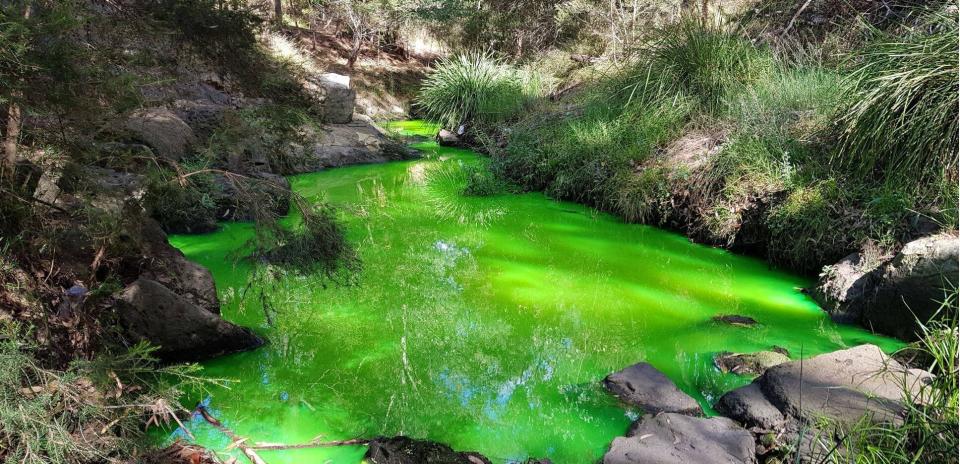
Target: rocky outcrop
167,265
404,450
162,130
748,363
334,145
675,438
893,296
644,386
735,320
838,388
334,96
182,331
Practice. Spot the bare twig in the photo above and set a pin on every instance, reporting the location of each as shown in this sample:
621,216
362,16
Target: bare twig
236,439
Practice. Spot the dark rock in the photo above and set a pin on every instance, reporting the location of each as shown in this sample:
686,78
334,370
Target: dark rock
676,438
644,386
748,406
404,450
163,131
734,319
184,332
748,363
203,117
167,265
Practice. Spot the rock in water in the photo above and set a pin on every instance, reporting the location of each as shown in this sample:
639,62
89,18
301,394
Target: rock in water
404,450
748,363
676,438
167,265
644,386
735,319
890,297
183,331
748,406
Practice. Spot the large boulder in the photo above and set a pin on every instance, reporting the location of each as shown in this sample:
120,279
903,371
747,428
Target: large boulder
644,386
167,265
335,97
676,438
147,310
404,450
892,297
832,390
334,145
163,131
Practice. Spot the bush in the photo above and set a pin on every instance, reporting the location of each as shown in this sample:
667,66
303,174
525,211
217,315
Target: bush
899,121
475,88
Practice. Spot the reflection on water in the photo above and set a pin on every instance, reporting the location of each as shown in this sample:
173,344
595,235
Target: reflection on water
485,323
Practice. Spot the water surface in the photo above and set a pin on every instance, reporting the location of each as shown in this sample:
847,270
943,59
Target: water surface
485,323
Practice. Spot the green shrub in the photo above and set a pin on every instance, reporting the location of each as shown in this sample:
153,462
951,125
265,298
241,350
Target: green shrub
643,196
900,118
483,182
475,88
706,61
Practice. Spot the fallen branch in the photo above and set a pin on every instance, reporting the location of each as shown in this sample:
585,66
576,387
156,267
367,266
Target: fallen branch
315,443
236,439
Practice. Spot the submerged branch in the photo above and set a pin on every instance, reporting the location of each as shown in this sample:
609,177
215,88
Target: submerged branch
236,439
315,443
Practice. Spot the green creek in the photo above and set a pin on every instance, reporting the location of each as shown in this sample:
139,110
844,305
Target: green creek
485,323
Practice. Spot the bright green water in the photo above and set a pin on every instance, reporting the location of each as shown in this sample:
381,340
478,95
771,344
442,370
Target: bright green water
486,323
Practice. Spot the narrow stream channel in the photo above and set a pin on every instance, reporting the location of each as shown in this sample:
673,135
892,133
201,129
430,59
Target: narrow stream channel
485,323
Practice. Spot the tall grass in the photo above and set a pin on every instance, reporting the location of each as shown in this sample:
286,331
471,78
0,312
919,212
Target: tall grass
476,88
900,118
706,61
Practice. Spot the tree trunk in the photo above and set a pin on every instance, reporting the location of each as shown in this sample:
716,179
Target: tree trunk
278,12
14,120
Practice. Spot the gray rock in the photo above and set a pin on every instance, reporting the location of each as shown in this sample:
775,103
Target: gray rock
448,139
404,450
748,363
891,295
163,131
676,438
911,286
644,386
167,265
748,406
334,97
203,117
844,386
340,145
147,310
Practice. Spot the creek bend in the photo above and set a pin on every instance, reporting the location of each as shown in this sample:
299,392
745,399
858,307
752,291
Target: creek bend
485,323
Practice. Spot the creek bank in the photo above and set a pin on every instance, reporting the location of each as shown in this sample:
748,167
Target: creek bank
806,402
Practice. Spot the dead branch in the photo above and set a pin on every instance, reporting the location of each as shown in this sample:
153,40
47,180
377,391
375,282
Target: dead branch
236,439
315,443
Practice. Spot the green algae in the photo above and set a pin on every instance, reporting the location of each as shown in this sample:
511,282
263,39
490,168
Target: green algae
484,322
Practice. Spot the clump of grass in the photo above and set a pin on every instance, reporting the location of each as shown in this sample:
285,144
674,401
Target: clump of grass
483,182
706,61
476,88
644,196
900,118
